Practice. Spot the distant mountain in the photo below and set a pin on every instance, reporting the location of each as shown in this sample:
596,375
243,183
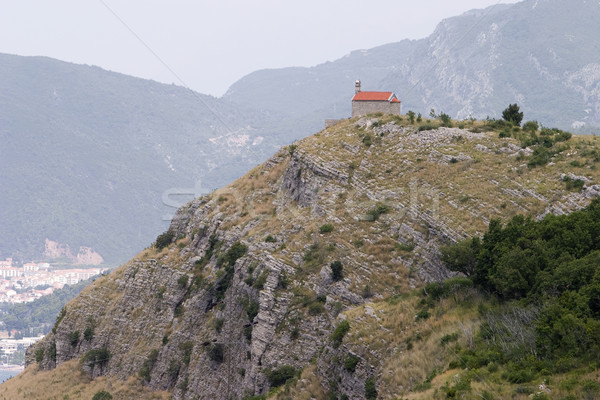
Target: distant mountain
89,157
542,54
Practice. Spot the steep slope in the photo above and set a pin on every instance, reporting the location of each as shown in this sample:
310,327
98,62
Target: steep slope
88,156
247,288
542,54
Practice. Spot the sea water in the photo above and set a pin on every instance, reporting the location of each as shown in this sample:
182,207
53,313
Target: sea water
4,375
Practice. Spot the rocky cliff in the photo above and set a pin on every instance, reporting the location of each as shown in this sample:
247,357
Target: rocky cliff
252,282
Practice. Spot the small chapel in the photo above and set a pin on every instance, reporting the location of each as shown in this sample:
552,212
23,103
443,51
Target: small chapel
364,103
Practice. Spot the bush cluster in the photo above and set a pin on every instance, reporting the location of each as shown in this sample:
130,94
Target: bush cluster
163,240
337,271
96,357
340,331
279,376
546,275
375,212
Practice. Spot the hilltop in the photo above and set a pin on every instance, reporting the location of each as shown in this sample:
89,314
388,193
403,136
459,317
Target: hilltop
309,265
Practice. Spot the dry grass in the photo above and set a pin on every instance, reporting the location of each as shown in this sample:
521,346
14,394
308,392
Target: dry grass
407,349
68,382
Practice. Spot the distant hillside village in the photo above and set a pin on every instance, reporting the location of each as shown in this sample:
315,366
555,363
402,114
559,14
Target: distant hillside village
33,280
364,103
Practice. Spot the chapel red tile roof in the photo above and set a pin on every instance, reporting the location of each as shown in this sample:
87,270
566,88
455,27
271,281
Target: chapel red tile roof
375,96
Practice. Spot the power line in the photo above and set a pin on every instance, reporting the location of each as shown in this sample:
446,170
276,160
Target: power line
164,63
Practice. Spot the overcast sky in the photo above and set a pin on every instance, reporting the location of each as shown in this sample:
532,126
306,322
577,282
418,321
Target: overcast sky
211,44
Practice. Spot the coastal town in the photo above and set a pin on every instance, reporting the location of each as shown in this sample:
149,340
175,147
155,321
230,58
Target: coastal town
26,282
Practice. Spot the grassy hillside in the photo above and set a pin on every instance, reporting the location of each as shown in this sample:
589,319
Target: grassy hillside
308,276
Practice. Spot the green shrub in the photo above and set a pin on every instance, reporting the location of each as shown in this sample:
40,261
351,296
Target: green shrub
295,333
182,281
213,246
218,324
173,370
379,209
460,257
39,355
313,254
163,240
540,396
452,337
74,338
518,375
531,126
512,114
147,365
236,251
60,317
446,120
316,308
186,348
102,395
96,357
259,283
370,389
407,247
351,362
590,388
281,375
248,333
270,239
216,352
340,331
541,156
575,185
427,127
52,352
283,281
292,148
252,309
88,334
325,228
223,282
423,314
337,271
179,309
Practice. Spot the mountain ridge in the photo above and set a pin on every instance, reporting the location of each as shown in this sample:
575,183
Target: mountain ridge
536,53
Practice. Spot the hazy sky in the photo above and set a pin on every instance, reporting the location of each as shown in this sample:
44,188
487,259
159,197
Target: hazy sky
209,45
